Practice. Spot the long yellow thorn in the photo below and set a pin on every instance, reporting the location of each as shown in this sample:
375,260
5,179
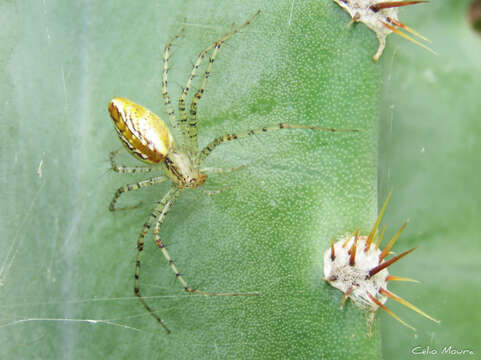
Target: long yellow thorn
400,33
378,303
407,304
374,238
401,278
378,242
409,29
349,238
378,220
385,251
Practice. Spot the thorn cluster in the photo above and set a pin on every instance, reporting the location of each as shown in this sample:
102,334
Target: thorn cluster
356,265
382,18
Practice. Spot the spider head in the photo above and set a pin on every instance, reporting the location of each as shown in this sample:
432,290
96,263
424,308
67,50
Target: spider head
180,168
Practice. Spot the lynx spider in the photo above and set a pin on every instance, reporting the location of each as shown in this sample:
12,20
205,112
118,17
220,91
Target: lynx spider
149,140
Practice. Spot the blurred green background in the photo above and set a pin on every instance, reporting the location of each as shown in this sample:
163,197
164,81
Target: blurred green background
66,265
430,156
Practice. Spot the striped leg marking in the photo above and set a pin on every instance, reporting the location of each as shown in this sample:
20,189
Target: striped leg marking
127,169
165,86
178,275
132,187
220,170
157,215
204,153
190,129
215,192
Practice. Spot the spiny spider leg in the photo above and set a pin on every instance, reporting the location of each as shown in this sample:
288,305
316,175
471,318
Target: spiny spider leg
192,124
220,170
215,192
132,187
165,87
204,153
126,169
190,129
181,103
174,268
157,216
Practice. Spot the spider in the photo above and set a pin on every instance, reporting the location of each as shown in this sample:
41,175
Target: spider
149,140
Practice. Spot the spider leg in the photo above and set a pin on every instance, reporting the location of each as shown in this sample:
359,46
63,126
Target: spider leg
158,215
126,169
220,170
231,137
178,275
214,192
165,88
132,187
189,129
185,91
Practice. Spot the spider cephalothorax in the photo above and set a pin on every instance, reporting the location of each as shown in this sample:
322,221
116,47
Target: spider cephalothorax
382,18
149,139
180,168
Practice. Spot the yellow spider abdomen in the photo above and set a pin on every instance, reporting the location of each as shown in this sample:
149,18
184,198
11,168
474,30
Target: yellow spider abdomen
142,132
